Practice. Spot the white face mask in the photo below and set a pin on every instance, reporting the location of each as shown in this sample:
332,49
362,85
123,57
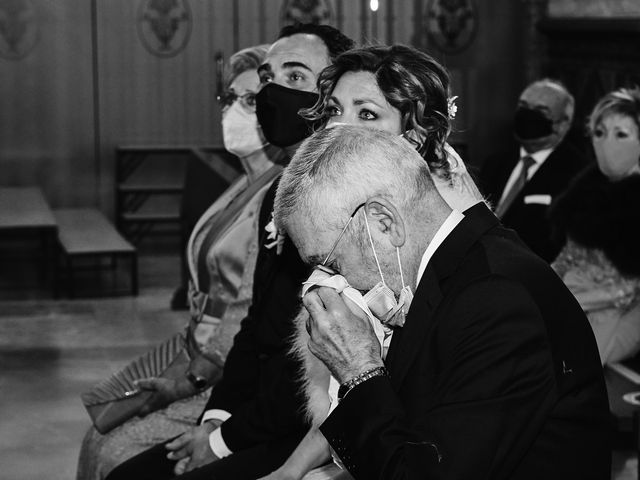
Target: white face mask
381,299
241,131
617,159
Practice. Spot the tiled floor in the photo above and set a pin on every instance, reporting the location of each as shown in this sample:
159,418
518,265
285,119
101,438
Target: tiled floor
51,351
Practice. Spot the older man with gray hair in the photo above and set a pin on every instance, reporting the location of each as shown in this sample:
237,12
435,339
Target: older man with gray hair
494,372
522,181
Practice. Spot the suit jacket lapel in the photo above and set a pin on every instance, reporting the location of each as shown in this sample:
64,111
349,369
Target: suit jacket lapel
410,339
506,170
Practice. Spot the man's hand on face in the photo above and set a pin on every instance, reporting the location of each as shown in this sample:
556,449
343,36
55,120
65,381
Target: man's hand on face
191,449
344,341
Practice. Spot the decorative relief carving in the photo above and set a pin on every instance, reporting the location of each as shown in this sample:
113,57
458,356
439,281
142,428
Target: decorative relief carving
594,8
451,24
164,26
306,11
18,28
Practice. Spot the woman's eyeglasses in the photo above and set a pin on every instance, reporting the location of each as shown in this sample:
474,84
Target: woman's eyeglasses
227,98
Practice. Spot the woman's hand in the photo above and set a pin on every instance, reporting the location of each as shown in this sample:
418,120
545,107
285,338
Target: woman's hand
165,391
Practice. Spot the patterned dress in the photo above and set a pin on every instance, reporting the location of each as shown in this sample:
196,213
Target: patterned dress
600,263
608,297
230,263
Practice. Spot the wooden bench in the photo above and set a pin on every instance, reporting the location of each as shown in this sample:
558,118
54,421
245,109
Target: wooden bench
85,232
25,212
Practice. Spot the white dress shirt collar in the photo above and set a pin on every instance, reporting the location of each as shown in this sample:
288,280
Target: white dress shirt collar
539,157
452,221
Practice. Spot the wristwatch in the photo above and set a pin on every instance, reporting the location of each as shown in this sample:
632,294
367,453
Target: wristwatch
198,382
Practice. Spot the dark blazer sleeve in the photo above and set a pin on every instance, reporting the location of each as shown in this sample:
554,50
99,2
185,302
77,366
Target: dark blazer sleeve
494,386
258,385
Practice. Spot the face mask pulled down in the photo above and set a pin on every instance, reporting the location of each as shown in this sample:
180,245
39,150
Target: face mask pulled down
277,110
241,131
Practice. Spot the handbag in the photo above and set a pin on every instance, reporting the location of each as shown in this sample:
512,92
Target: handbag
117,399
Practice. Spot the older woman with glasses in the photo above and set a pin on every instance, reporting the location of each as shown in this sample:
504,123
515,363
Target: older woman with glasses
221,253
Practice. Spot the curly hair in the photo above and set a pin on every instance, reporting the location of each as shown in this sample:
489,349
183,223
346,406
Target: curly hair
412,82
334,39
624,101
246,59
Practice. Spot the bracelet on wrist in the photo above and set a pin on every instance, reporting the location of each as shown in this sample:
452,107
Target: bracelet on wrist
347,386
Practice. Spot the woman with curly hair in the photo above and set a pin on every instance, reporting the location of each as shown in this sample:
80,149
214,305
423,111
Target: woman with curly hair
401,90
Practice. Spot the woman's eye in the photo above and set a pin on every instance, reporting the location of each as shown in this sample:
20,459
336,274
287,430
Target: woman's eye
622,135
250,99
367,115
598,133
333,111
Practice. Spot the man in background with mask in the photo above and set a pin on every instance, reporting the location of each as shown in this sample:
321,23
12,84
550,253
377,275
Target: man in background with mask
253,420
494,372
522,183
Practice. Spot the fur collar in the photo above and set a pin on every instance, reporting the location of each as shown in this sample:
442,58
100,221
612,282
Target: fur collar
597,213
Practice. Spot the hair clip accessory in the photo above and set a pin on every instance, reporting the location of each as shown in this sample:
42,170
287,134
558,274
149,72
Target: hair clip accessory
452,108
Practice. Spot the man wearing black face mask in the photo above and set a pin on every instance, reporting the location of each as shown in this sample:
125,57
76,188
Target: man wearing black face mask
522,183
253,420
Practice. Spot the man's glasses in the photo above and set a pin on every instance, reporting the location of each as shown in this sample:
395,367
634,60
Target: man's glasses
228,97
335,244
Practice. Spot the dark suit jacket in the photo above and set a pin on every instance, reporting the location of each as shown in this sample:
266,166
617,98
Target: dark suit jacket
552,178
494,375
258,386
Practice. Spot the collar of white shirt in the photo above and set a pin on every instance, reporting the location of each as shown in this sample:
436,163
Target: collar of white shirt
452,221
539,157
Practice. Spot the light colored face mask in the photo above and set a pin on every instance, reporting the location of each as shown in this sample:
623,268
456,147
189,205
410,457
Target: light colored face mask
617,159
381,299
241,131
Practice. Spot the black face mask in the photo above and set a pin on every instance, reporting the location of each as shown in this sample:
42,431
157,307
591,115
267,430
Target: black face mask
277,111
531,124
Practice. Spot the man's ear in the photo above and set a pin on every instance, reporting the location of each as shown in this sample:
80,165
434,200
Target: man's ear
385,218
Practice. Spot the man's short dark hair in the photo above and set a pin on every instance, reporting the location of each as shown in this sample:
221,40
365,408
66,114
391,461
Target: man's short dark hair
333,38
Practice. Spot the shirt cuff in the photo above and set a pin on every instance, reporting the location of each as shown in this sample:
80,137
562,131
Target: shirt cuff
216,442
215,414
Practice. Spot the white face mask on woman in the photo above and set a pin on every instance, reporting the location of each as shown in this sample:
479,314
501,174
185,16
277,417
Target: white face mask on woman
617,146
241,132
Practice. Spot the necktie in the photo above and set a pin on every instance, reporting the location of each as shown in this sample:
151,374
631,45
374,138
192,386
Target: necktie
517,186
